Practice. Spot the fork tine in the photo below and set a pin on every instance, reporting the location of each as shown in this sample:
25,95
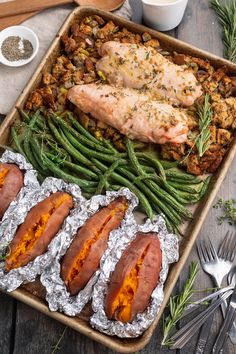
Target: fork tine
200,253
231,252
204,250
208,249
222,246
212,249
228,248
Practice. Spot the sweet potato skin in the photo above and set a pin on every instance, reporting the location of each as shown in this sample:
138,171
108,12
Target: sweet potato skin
148,275
53,225
86,234
13,183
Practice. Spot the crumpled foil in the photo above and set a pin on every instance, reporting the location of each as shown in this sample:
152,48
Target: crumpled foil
119,241
57,295
16,215
30,175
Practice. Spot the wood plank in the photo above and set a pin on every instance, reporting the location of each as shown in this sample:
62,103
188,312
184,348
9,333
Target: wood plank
200,27
35,332
7,323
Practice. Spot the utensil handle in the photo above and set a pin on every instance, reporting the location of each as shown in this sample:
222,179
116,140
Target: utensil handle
232,334
186,332
224,332
15,20
204,334
16,7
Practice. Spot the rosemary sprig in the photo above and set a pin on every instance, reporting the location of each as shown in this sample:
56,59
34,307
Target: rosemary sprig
56,347
227,18
178,304
204,113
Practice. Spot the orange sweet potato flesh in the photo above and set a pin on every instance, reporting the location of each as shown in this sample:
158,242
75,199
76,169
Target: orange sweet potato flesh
11,182
83,256
42,223
135,277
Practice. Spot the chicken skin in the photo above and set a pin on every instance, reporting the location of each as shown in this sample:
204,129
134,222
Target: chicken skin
140,67
134,114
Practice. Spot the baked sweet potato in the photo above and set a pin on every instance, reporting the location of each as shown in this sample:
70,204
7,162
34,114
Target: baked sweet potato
134,278
42,223
83,256
11,182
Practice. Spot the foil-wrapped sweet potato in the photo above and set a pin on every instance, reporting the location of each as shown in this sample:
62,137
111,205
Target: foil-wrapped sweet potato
42,223
11,182
83,256
135,277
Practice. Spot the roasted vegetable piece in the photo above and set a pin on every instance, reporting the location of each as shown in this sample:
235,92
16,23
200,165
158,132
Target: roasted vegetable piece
40,226
134,278
83,256
11,181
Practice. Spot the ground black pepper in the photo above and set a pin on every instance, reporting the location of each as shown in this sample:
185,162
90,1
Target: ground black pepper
14,48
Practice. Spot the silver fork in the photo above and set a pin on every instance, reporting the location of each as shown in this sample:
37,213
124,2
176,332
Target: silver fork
217,266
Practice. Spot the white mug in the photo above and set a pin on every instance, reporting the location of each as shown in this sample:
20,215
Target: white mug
163,15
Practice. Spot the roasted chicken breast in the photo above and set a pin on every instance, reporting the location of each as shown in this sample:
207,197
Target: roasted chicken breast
134,114
140,67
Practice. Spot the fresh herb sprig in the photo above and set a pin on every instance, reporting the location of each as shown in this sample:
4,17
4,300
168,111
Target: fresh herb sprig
229,211
227,18
56,347
204,113
178,303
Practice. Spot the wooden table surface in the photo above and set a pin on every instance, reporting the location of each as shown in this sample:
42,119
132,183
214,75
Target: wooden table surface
23,330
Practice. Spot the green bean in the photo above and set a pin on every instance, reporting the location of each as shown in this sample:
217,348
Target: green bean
182,187
205,186
142,199
67,177
106,176
169,225
133,159
26,144
80,169
115,187
82,130
24,115
172,191
161,193
183,176
155,162
79,136
89,152
37,150
184,182
70,148
174,218
110,146
169,164
16,141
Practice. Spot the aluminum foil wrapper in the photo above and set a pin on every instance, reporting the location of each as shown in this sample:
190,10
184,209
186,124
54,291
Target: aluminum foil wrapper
16,216
57,296
119,241
30,175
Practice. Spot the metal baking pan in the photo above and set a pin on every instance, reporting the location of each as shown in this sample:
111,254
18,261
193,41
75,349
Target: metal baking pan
30,294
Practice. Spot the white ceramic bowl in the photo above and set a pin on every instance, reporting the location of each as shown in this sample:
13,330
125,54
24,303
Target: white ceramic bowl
24,33
163,15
